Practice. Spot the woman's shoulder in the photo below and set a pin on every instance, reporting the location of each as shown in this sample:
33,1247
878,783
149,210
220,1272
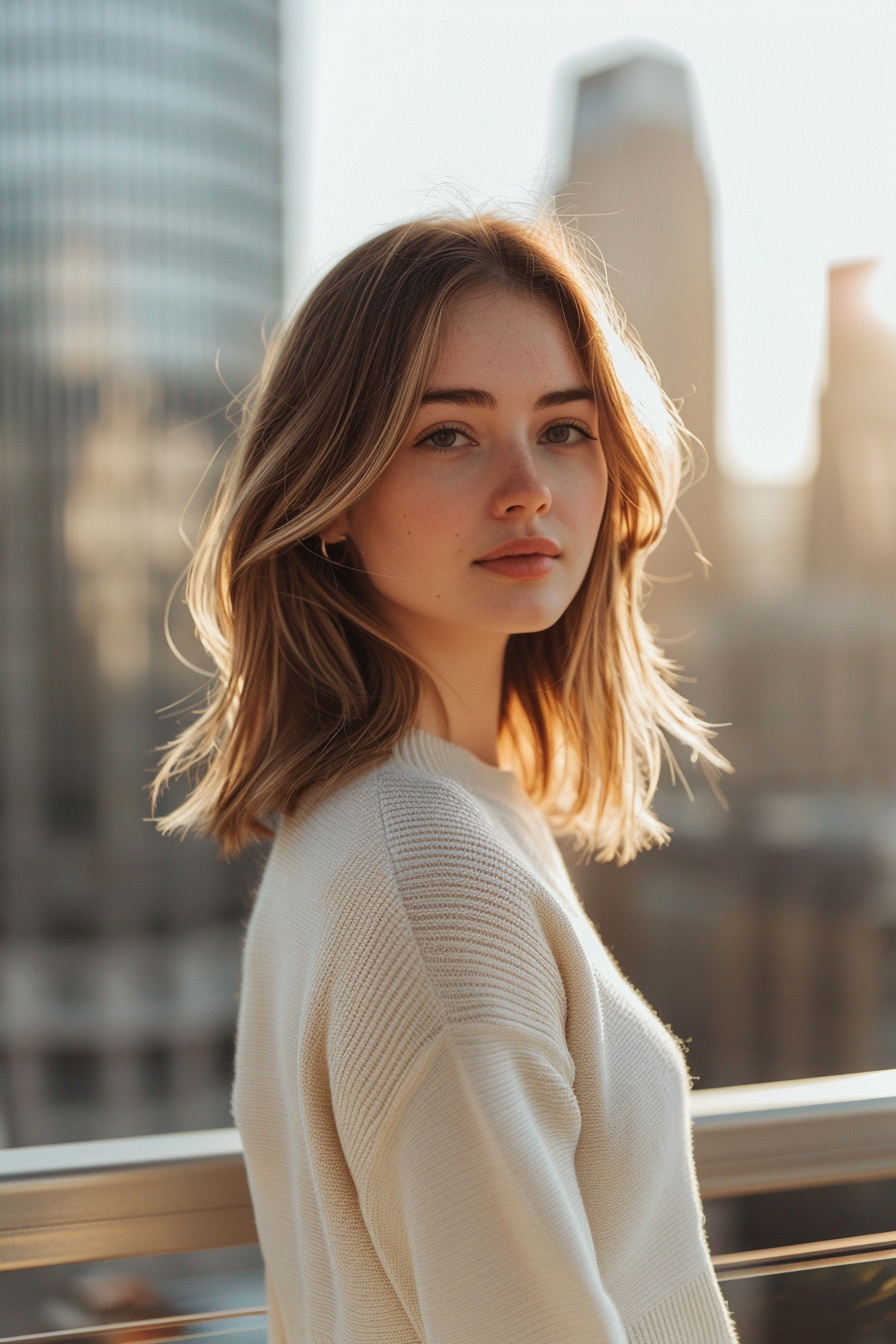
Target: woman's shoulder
437,830
422,824
466,893
417,857
452,917
420,856
391,810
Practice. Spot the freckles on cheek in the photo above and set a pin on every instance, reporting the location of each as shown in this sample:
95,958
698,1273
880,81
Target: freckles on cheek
432,531
422,531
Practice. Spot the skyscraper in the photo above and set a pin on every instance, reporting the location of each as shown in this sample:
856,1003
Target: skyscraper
636,183
139,263
764,934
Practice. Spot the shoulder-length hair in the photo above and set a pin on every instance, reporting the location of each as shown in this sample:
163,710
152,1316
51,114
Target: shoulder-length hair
312,688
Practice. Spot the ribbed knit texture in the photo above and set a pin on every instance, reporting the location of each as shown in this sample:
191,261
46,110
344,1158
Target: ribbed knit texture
461,1123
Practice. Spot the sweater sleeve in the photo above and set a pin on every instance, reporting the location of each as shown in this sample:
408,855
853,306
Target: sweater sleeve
475,1210
452,1085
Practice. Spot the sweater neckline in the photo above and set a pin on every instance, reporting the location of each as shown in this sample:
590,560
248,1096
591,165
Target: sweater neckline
422,750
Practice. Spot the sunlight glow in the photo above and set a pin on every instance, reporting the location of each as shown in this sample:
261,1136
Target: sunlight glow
412,104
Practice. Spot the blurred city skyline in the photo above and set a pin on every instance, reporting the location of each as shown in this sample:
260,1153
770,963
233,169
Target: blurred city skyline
765,934
795,118
798,662
140,241
163,163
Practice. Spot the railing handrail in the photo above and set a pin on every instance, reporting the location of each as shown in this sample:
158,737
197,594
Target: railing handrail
163,1193
795,1098
155,1195
800,1133
46,1159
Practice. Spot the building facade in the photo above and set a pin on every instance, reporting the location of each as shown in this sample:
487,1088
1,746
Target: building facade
765,933
140,261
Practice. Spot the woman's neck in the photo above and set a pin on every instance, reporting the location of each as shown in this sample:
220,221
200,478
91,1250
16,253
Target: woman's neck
467,670
458,722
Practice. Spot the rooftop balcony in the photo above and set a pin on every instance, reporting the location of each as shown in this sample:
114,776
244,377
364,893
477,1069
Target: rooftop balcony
72,1204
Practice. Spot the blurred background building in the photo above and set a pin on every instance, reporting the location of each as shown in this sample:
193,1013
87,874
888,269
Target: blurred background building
766,933
140,259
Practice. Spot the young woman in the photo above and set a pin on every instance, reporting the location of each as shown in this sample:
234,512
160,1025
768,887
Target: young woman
421,584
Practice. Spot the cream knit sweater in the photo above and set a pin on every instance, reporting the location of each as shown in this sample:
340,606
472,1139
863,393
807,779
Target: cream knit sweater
461,1123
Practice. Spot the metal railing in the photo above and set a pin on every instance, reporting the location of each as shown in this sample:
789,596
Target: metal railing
797,1135
81,1202
787,1136
155,1330
71,1203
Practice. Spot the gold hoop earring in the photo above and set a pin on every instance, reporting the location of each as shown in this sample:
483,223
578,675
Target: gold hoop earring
323,547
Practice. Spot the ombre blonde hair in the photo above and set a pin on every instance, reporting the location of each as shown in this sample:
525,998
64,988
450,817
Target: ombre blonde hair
312,688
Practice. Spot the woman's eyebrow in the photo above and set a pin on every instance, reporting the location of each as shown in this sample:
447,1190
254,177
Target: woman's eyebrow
474,396
461,396
566,395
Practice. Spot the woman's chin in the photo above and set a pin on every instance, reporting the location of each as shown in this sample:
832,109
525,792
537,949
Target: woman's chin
531,621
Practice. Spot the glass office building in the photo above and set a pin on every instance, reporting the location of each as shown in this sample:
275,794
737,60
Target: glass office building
140,262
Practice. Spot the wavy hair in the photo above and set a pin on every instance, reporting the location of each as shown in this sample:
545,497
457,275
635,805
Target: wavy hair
311,687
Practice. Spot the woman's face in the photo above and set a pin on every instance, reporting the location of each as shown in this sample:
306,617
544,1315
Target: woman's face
487,517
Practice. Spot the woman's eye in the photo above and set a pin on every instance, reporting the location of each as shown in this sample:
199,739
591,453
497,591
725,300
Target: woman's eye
445,439
566,432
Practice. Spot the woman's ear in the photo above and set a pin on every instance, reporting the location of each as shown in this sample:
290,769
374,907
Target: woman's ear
335,531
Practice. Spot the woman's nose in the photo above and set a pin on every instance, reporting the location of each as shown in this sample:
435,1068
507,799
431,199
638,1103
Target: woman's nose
522,489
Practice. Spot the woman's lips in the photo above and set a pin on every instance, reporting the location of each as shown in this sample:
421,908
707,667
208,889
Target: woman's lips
519,566
522,558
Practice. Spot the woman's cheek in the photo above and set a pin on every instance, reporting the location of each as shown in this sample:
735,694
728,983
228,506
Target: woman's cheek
586,505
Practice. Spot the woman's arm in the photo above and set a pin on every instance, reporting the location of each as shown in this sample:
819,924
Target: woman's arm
452,1083
471,1198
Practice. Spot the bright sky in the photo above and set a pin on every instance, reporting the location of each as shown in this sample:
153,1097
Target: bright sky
396,106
